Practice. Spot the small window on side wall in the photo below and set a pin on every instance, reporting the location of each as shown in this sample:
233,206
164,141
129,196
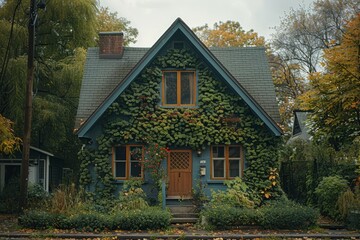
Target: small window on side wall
127,161
179,88
226,162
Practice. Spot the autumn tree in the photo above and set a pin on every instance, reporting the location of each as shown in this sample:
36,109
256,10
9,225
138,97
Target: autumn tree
8,141
228,34
334,96
289,85
109,22
298,46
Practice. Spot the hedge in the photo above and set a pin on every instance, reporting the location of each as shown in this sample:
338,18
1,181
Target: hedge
289,216
229,217
151,218
280,216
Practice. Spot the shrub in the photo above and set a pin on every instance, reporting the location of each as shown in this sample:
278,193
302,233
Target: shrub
347,202
328,191
36,219
131,196
288,216
88,222
66,198
147,219
353,220
150,218
37,196
226,216
237,194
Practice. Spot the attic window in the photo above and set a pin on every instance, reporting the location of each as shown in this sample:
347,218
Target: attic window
178,45
178,88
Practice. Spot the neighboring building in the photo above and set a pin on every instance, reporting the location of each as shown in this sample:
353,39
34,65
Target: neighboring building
213,108
300,128
44,169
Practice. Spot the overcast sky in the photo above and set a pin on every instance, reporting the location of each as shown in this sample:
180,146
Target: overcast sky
153,17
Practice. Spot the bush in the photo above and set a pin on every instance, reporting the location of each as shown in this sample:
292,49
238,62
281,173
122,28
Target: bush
328,191
37,196
88,222
36,219
237,194
150,218
353,220
225,217
66,198
288,216
131,196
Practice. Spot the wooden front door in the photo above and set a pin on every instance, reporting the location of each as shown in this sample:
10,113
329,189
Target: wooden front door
180,174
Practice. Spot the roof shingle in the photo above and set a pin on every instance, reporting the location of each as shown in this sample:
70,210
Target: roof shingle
248,66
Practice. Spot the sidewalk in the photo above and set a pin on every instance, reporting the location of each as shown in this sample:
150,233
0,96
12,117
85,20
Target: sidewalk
175,233
10,230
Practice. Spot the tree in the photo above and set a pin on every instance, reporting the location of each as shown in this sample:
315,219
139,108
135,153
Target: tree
109,21
289,85
304,33
60,29
8,141
298,48
228,34
334,96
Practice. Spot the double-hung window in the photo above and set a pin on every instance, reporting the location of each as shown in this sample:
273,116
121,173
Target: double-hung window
127,161
179,88
226,161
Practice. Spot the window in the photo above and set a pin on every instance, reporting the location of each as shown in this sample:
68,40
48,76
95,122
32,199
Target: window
226,161
127,162
178,88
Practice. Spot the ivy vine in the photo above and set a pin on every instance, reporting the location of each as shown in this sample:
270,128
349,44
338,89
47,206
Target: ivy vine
136,117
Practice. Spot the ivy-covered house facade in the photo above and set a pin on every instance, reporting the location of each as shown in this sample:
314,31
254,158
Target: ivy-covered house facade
211,110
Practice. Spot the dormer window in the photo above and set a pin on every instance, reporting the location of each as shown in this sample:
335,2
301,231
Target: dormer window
178,88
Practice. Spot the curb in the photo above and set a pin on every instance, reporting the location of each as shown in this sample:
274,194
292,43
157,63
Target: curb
182,236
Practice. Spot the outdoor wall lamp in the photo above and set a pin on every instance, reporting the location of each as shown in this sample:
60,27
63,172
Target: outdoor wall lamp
199,152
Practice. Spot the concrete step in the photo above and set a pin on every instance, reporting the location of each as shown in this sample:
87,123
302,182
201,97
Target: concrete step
184,220
185,215
182,208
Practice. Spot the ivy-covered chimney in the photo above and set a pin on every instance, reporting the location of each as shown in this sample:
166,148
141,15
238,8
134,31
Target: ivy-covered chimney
111,44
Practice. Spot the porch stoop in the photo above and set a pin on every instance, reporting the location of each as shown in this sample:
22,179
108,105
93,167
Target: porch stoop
183,213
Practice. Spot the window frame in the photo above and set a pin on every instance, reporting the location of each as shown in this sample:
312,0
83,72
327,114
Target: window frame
178,91
127,162
226,162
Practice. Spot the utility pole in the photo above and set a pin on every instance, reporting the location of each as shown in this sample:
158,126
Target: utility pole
28,107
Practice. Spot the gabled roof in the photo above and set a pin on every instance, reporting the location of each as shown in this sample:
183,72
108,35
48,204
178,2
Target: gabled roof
300,129
244,69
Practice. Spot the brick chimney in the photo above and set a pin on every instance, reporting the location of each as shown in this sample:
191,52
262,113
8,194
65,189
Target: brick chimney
111,44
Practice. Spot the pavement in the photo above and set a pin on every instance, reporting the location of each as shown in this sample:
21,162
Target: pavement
10,230
185,232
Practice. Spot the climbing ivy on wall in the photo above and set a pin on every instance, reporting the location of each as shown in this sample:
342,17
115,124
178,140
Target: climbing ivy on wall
137,117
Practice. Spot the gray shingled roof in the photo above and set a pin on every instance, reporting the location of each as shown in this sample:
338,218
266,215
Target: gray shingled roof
248,65
251,69
101,76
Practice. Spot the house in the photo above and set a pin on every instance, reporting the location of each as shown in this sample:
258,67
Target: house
213,109
44,169
300,129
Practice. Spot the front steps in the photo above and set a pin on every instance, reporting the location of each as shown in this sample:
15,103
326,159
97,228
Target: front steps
183,213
